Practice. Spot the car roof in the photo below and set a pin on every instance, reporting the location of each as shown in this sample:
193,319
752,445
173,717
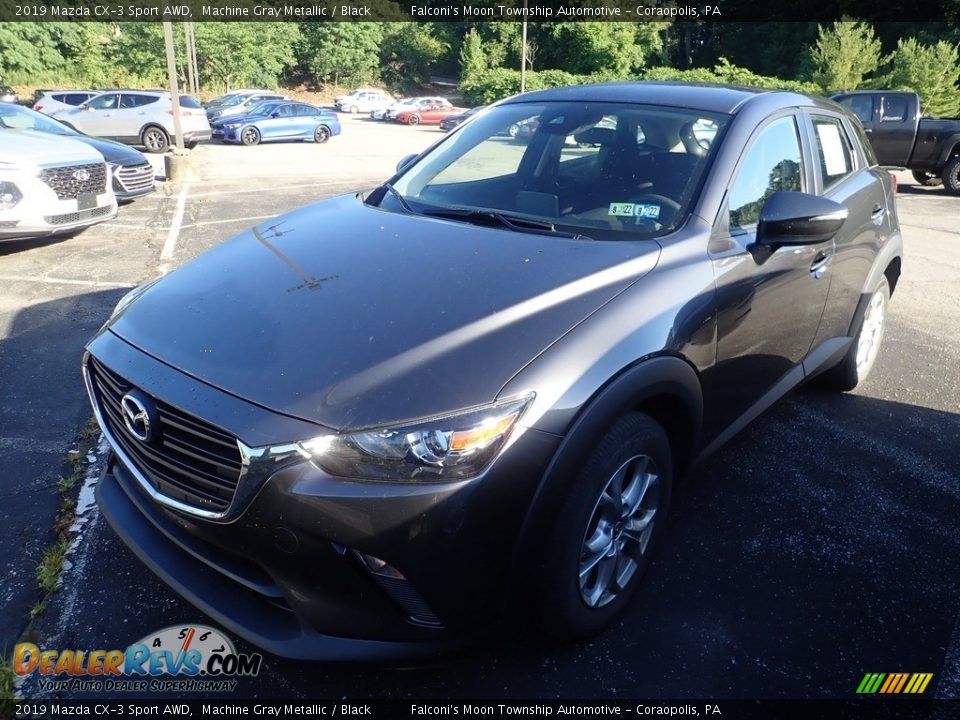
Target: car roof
709,97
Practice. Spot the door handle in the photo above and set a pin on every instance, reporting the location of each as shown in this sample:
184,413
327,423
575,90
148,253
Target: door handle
868,130
877,215
819,266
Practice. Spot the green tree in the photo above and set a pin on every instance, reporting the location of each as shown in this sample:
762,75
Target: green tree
408,53
473,59
236,53
931,71
30,48
612,47
338,52
844,55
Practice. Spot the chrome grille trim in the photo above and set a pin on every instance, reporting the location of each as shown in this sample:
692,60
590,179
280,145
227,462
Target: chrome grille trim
67,187
132,178
126,450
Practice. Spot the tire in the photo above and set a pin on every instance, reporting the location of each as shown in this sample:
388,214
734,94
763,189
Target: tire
250,136
593,540
513,130
191,145
413,120
926,179
860,358
354,109
951,176
321,134
155,139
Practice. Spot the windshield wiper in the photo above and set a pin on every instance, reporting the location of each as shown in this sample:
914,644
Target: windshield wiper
491,218
400,198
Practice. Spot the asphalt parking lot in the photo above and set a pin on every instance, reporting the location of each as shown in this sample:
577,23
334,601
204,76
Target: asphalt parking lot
821,544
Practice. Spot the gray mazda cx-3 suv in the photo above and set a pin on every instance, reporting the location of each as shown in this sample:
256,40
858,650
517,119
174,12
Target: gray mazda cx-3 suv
375,425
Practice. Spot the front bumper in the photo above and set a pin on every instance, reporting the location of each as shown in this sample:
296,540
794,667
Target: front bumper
40,213
284,572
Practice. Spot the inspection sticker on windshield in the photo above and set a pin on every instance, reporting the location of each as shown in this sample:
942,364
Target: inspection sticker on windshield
638,210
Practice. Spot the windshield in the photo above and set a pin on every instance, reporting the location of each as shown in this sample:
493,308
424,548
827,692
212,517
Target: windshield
605,170
14,117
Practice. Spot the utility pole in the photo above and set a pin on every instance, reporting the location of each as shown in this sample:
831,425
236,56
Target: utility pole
174,87
193,59
523,50
187,44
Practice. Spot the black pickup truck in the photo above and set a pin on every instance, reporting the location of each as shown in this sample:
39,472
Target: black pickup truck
901,137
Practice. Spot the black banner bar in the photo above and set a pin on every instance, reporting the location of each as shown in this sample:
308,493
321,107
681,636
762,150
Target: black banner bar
872,708
476,10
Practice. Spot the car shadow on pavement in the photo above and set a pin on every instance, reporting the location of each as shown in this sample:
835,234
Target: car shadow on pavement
823,541
42,407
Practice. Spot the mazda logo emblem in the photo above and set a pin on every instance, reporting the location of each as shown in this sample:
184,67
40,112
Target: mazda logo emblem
136,416
82,174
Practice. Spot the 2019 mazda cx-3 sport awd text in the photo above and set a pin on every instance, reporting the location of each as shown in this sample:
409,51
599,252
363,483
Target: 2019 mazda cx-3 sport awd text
375,425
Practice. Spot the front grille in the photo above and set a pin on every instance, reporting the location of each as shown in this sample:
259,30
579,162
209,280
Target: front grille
67,187
73,217
133,178
187,459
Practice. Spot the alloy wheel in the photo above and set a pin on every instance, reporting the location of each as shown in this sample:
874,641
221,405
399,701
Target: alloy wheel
619,530
871,333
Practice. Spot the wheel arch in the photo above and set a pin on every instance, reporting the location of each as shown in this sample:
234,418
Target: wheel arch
153,124
665,387
951,149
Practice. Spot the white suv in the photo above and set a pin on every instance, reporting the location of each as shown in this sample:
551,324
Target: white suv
51,185
138,117
363,101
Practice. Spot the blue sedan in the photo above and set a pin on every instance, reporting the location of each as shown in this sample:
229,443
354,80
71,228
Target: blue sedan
278,121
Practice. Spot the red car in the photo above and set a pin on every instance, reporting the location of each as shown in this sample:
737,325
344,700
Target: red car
431,115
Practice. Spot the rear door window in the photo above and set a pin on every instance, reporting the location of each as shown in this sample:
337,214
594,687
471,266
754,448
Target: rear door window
893,108
834,150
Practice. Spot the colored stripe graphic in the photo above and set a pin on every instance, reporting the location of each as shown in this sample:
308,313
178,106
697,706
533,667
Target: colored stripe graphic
894,683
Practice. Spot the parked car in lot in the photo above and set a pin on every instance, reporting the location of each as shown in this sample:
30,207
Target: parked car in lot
8,94
52,101
138,117
280,121
384,113
131,173
262,108
234,97
50,185
902,137
243,105
413,104
363,100
427,115
467,393
452,121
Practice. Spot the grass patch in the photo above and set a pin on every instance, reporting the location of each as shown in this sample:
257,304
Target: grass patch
38,607
7,691
51,565
91,430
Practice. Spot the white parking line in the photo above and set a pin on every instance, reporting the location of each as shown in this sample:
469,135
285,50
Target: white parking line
228,220
170,245
332,183
49,280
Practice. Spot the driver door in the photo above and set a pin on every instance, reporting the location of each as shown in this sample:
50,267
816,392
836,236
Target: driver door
769,300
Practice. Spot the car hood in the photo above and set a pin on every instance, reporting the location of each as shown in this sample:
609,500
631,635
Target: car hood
27,148
350,316
113,152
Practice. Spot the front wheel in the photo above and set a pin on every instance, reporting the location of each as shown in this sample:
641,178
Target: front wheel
250,136
155,140
354,109
321,134
926,179
951,176
860,358
606,529
413,120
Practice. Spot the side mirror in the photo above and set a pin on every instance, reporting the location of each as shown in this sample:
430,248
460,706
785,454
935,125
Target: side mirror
796,218
405,162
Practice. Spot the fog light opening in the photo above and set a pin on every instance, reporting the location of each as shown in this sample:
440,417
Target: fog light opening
379,567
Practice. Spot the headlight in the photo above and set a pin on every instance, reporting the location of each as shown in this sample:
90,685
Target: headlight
450,447
10,195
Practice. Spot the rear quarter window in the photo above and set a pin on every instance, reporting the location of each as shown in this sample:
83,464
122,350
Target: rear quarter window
834,150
